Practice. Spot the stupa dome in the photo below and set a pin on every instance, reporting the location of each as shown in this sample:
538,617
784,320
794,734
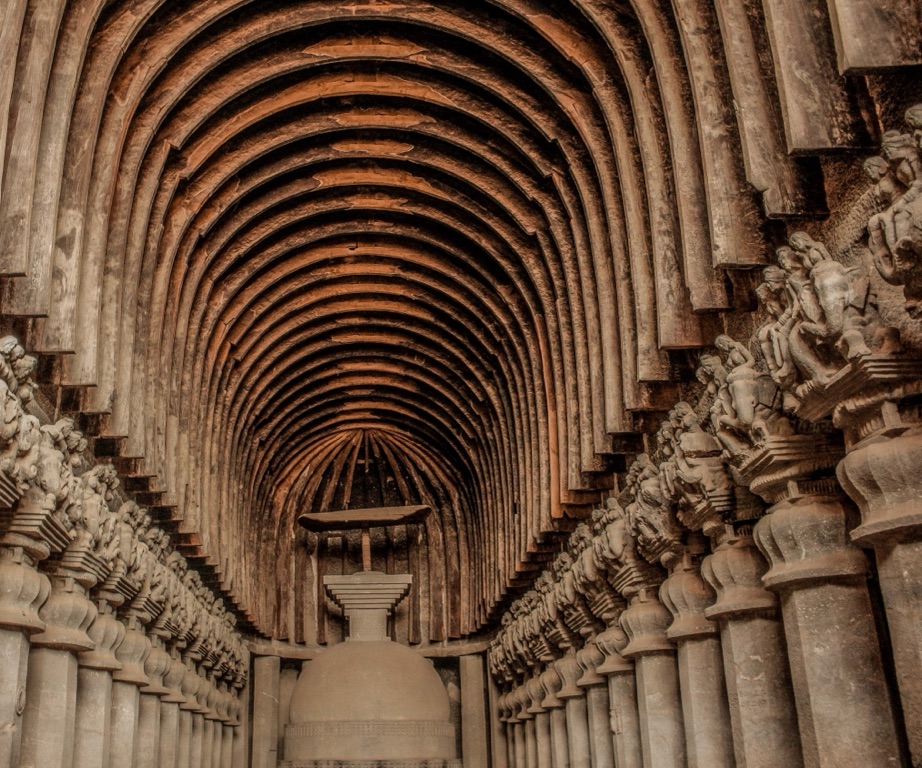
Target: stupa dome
380,701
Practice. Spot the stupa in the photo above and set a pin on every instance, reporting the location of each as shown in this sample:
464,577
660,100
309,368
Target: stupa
369,702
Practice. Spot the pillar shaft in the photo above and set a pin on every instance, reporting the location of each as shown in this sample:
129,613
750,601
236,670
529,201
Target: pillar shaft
22,592
625,720
125,701
600,741
560,744
169,734
578,732
184,742
708,734
659,705
227,747
836,668
208,744
543,738
147,751
518,738
51,690
762,710
197,741
881,474
94,705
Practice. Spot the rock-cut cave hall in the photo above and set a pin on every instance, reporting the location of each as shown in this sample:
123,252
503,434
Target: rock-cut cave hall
460,384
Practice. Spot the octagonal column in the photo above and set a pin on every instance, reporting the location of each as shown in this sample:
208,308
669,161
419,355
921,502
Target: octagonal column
880,472
169,712
526,746
842,699
542,722
659,705
23,590
762,710
132,653
622,695
708,734
51,690
147,748
590,659
94,691
560,749
574,699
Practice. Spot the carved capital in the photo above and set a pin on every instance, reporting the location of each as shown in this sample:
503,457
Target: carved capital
735,571
590,659
132,653
522,702
156,667
535,696
172,680
882,476
805,539
687,596
67,615
570,672
611,642
645,621
107,633
23,590
551,684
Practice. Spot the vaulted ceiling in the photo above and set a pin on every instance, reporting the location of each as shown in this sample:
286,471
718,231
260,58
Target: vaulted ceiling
471,238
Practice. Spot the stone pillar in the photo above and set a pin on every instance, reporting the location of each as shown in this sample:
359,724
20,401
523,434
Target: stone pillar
498,747
147,748
622,696
659,705
590,659
525,727
557,717
762,711
708,734
23,590
169,712
132,653
266,671
836,667
198,734
94,691
51,690
190,685
517,730
574,699
880,472
507,719
473,712
542,722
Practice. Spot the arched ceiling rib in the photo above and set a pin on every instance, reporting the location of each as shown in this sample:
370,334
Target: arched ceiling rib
467,234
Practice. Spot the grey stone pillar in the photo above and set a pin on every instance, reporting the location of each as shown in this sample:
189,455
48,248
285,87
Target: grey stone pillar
525,744
51,689
132,653
560,749
622,696
836,668
598,706
762,710
23,590
169,712
542,722
473,713
198,736
574,699
658,699
708,733
147,748
265,711
94,691
498,749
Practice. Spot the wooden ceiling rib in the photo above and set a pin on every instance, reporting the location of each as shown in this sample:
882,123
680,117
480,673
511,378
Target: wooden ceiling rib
255,230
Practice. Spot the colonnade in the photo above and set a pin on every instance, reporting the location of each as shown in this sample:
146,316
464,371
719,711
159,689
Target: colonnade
717,610
112,650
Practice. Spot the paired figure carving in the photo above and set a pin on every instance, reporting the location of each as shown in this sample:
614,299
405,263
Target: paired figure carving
895,231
